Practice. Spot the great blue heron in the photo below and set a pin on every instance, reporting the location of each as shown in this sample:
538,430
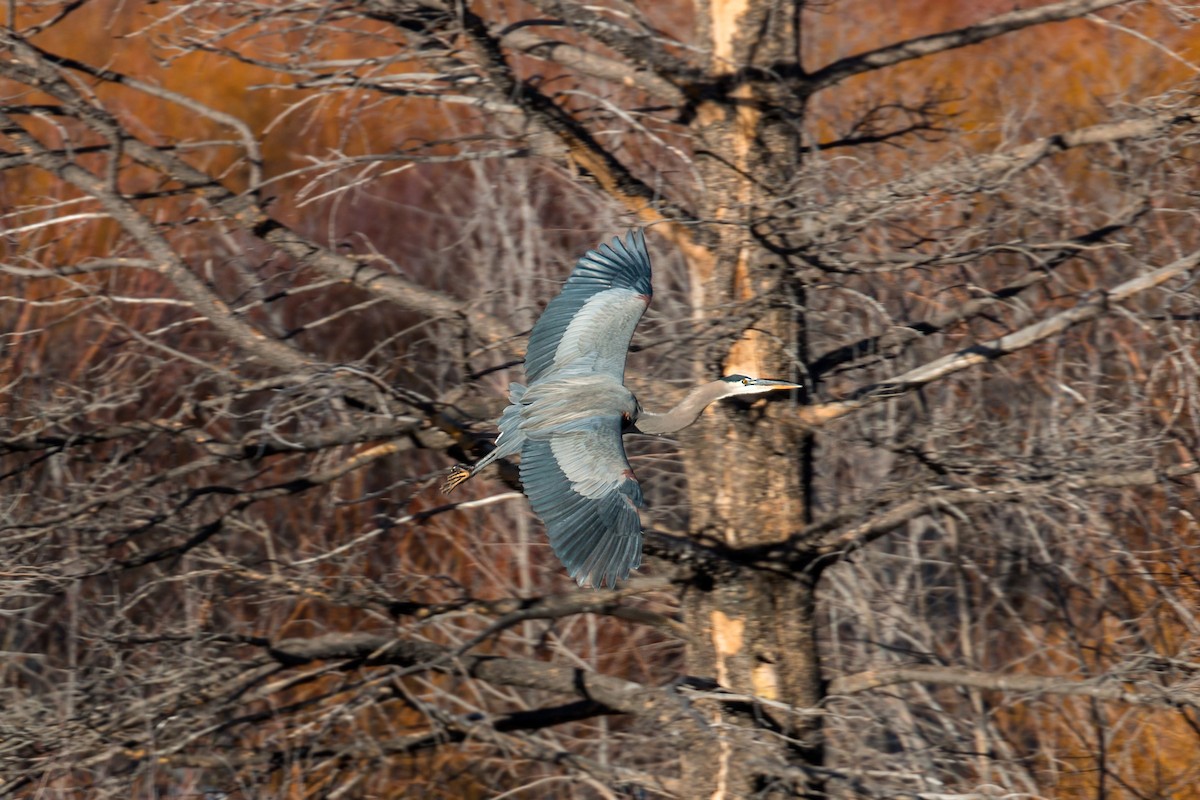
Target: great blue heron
568,422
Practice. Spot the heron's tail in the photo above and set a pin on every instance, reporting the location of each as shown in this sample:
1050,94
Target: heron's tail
508,442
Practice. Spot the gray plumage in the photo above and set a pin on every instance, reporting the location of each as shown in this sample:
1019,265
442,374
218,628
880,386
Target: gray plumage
568,422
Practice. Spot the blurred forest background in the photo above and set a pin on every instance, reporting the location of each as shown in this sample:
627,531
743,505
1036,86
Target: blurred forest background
266,268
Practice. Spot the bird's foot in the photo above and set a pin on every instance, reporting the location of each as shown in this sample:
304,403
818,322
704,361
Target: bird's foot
458,474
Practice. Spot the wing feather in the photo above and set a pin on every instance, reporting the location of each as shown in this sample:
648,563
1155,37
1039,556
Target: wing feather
580,484
590,323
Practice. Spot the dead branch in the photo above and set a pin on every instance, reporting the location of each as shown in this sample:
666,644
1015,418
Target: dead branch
824,413
1099,689
614,694
999,25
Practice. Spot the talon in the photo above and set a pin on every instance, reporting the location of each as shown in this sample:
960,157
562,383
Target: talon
458,474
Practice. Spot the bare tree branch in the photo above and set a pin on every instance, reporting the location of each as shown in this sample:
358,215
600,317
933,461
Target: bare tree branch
891,342
242,210
170,265
973,174
581,148
975,355
637,47
999,25
927,502
614,694
1100,689
520,37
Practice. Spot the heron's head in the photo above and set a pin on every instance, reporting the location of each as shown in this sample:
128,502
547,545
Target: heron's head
736,385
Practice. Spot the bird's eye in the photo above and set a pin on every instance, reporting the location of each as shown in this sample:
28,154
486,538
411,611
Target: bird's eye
745,381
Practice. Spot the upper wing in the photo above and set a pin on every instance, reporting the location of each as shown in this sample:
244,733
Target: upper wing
591,322
580,484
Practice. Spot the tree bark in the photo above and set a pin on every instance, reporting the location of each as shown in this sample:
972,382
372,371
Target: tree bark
747,467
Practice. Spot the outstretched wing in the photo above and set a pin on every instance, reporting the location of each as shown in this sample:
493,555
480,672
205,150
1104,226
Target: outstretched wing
580,484
590,323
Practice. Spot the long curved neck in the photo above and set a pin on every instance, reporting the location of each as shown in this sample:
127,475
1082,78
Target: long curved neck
685,413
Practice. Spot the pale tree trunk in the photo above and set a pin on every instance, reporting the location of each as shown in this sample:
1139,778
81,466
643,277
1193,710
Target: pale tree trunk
748,468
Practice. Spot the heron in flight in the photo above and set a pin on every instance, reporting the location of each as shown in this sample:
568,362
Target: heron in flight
567,423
